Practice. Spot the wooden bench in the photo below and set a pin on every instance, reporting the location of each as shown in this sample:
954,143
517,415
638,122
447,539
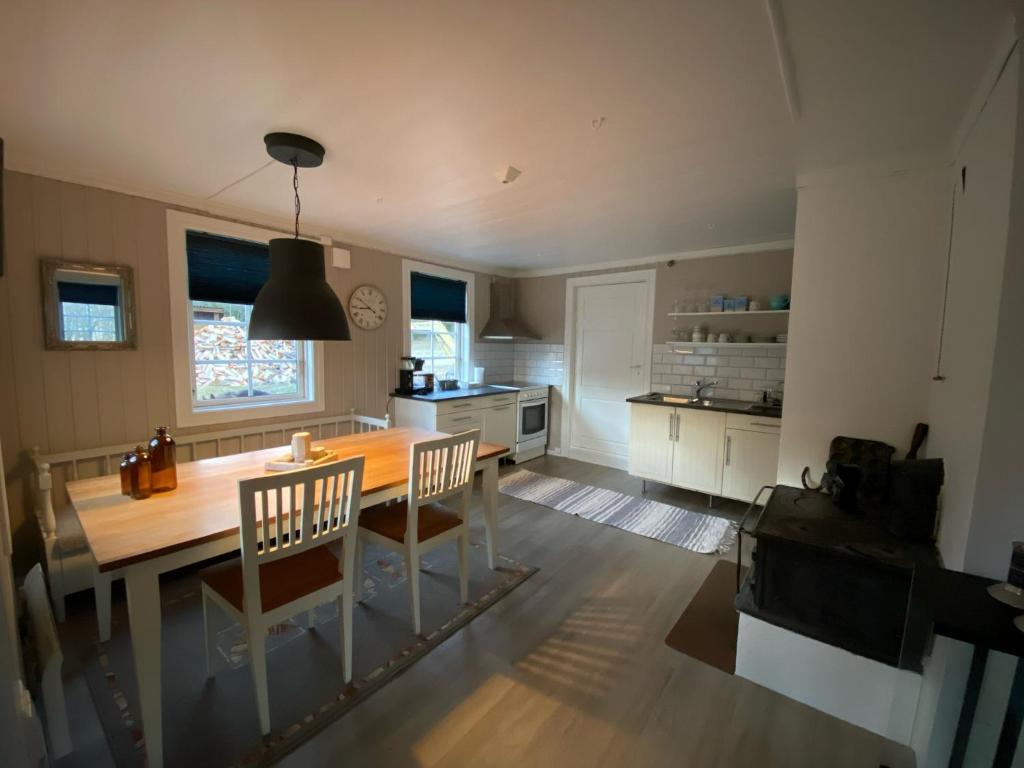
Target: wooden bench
70,565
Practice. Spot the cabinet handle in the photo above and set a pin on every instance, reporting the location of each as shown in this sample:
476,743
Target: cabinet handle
463,418
762,424
728,449
461,405
679,420
671,426
503,408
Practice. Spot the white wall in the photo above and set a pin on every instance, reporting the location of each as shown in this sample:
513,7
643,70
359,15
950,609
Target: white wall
999,506
958,406
868,273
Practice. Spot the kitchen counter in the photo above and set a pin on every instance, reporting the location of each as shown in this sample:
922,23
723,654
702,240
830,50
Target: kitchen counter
440,396
713,404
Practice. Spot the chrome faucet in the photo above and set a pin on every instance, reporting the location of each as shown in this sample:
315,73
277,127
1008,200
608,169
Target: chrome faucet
698,391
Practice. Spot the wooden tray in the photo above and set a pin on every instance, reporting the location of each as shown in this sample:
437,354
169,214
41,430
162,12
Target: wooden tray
284,463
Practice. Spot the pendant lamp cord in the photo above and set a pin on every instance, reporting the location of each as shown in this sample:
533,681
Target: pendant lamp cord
298,203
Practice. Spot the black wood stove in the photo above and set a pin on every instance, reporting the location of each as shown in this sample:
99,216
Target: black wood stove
839,577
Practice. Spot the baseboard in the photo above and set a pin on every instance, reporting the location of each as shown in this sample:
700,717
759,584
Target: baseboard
601,459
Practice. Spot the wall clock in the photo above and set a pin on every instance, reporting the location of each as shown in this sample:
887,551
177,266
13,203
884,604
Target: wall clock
368,307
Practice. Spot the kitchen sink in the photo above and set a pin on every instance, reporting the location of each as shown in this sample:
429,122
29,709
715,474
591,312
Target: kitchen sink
720,403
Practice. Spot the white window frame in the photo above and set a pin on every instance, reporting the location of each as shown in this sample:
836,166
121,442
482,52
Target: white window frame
187,413
466,342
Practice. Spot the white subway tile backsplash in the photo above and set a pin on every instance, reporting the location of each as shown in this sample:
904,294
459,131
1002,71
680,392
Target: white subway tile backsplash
743,372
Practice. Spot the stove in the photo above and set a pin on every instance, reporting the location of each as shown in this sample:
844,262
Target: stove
838,577
532,403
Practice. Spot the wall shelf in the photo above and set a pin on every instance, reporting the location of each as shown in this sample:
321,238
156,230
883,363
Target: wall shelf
733,312
725,344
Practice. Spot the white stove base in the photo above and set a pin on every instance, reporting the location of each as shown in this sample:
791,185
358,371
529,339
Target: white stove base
855,689
526,451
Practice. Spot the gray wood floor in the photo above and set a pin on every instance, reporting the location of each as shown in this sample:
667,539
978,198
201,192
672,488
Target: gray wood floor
571,668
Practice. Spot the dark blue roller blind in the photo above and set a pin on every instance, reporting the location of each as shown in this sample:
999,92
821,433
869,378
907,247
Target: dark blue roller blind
87,293
225,269
437,298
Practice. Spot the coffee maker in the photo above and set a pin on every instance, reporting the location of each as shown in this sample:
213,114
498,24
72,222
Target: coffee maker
407,372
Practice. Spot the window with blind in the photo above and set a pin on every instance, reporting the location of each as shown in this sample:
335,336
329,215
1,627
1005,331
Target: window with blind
224,275
438,324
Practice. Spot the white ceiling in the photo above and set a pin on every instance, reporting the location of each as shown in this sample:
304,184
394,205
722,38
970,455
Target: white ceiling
421,105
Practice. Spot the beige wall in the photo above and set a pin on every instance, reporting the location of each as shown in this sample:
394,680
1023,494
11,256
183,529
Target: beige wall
758,275
62,401
541,301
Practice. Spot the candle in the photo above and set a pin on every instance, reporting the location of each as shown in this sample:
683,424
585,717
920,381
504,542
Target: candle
302,444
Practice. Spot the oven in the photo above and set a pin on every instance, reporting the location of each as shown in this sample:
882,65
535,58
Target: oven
533,420
532,423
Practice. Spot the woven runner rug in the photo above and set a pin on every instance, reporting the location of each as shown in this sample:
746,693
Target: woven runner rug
680,527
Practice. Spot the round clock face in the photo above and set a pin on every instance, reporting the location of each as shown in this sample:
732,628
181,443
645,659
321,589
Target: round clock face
368,307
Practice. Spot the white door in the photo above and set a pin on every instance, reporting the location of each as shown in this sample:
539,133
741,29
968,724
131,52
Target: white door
751,461
611,361
697,459
651,432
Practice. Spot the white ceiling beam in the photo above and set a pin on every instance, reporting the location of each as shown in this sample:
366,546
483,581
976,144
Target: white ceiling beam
784,57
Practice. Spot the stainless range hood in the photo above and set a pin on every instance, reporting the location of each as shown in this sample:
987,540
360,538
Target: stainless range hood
504,324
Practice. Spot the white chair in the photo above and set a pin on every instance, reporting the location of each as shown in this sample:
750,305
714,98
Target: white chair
438,469
286,567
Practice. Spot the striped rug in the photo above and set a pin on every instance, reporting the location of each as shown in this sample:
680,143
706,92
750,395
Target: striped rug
684,528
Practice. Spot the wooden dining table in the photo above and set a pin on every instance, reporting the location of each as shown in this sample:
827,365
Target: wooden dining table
200,520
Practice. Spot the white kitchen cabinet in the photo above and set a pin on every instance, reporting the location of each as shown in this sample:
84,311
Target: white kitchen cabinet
723,454
697,458
499,424
494,415
751,456
651,436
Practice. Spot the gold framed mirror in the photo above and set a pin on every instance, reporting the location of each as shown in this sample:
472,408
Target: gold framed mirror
87,306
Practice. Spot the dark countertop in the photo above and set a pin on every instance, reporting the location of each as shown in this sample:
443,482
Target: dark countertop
720,404
439,396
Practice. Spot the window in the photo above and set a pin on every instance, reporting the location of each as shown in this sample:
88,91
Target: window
218,268
228,367
89,322
438,304
440,346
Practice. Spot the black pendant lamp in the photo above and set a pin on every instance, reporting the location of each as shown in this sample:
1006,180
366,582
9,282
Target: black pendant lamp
296,302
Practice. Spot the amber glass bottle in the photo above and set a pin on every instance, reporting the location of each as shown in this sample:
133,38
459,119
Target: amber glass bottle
141,474
162,461
126,474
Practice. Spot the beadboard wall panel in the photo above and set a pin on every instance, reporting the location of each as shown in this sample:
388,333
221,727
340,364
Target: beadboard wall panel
61,401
